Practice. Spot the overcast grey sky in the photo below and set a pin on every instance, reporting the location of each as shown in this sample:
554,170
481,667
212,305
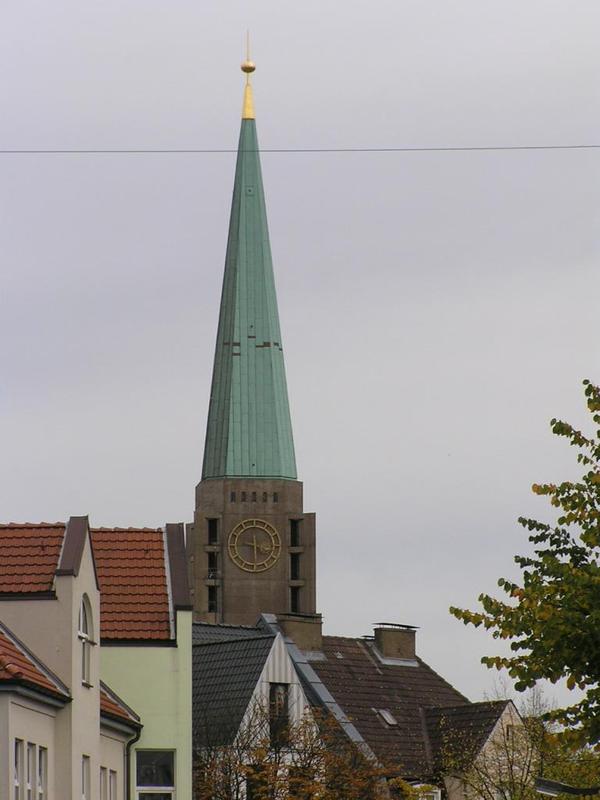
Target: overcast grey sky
437,308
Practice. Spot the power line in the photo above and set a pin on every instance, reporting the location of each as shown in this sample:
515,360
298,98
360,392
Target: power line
194,151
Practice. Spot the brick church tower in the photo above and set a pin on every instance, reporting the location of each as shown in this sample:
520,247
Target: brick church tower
251,547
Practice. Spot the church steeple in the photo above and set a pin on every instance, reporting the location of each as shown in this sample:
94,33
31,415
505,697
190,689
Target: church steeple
249,431
251,546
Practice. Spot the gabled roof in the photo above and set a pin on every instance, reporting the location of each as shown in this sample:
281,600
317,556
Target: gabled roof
458,733
134,593
143,581
32,554
224,676
113,707
29,554
20,667
364,687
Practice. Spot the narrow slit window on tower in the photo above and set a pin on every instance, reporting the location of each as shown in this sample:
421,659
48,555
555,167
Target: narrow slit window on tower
213,565
213,531
275,497
294,533
295,566
295,599
254,497
232,497
243,497
265,497
212,599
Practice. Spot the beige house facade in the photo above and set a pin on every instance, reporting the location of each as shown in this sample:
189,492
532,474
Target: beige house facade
63,734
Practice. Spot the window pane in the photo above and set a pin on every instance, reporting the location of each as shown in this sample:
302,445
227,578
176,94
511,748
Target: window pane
42,772
153,796
85,778
112,795
278,714
18,768
155,768
31,770
103,783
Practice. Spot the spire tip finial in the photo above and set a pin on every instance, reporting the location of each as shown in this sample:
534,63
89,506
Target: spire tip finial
248,68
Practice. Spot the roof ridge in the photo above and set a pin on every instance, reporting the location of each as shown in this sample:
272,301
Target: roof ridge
125,530
235,639
20,525
224,625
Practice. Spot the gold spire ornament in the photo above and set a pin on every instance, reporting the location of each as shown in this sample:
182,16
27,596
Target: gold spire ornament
248,68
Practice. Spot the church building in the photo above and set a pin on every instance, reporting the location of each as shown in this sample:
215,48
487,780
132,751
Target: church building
251,547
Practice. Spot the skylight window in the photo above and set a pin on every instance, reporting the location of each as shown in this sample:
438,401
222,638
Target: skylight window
387,716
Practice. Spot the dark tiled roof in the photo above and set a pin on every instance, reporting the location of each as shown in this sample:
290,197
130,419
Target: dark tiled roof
112,706
360,684
29,556
457,733
224,676
134,597
18,665
203,632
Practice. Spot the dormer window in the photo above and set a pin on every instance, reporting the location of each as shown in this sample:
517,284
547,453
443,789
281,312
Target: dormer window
85,635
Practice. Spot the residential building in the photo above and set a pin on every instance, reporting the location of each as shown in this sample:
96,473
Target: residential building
247,697
394,706
145,633
64,734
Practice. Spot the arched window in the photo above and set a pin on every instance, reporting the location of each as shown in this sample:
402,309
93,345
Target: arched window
85,634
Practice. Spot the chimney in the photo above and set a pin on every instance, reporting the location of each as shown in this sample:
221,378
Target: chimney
395,641
305,630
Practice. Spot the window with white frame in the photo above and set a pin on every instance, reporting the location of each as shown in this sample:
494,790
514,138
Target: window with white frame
85,778
426,792
85,634
30,772
42,774
155,775
18,769
103,783
112,785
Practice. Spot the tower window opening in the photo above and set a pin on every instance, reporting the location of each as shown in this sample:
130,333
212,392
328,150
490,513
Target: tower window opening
213,531
213,565
275,497
254,497
232,497
295,566
265,497
294,533
295,599
212,599
243,497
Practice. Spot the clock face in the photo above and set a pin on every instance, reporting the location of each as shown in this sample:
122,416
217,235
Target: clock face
254,545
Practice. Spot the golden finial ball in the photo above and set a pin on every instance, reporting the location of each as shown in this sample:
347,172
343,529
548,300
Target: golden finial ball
248,67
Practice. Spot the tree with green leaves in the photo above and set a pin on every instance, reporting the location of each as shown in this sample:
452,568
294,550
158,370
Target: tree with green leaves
552,616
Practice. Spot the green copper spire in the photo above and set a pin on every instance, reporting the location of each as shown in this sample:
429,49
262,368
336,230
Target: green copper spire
249,431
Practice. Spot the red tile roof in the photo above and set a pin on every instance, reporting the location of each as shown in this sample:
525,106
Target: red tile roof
19,665
134,597
29,556
112,706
